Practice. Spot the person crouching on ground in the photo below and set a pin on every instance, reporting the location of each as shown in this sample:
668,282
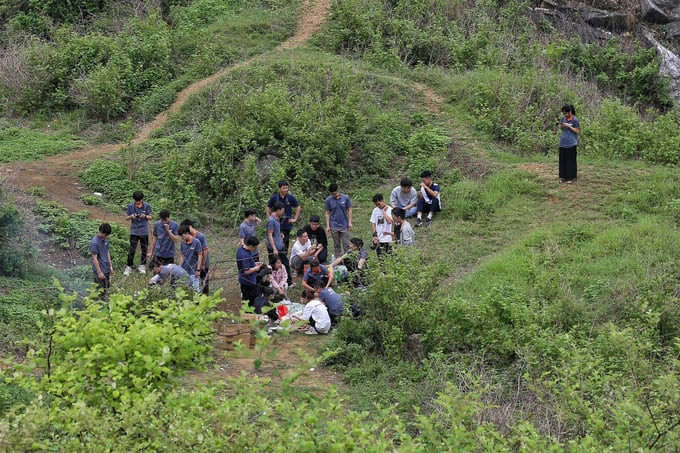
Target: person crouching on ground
351,265
318,272
170,273
331,299
279,279
303,252
315,314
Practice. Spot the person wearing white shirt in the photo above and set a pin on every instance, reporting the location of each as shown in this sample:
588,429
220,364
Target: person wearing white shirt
381,225
303,251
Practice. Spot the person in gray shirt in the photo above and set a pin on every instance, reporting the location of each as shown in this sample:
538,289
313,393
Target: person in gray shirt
338,219
405,196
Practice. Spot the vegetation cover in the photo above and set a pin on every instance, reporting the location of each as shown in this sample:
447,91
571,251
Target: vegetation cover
530,317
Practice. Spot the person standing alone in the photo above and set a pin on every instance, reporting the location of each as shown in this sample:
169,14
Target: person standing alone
570,127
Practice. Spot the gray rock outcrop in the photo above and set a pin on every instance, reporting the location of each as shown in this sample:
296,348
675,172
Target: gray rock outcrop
670,65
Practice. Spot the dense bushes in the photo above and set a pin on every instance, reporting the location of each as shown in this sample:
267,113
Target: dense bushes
14,251
575,323
461,35
75,231
105,66
633,76
310,121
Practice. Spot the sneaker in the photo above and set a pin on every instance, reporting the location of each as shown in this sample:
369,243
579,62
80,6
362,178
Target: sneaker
419,222
291,286
427,222
127,271
311,331
141,269
293,273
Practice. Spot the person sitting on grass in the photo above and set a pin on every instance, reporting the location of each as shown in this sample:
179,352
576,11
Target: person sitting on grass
317,236
279,279
429,199
405,196
316,272
263,302
351,265
331,299
407,235
315,314
171,273
303,252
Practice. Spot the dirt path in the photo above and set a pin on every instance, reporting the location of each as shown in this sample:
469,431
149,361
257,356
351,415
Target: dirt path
59,174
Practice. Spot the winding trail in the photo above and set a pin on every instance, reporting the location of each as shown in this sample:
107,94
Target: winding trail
59,174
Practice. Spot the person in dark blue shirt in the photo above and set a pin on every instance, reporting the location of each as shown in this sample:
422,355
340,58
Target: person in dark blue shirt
429,198
192,255
164,237
101,258
139,214
289,203
248,269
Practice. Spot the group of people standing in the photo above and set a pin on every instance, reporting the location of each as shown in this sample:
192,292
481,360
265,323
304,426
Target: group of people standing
194,258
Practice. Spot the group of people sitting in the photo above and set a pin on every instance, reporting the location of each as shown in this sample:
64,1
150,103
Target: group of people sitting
262,283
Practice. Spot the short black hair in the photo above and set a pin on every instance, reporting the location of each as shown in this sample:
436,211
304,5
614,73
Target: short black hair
252,241
183,229
318,284
300,232
314,218
164,214
248,212
333,187
314,262
358,242
282,183
399,212
378,197
187,222
426,174
277,206
105,228
406,182
138,195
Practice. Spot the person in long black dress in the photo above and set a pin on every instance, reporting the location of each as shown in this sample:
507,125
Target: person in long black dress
570,127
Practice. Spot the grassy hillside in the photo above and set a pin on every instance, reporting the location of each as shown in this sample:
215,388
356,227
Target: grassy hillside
530,316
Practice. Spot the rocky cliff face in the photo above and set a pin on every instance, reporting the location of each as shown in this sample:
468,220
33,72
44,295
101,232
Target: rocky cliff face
653,22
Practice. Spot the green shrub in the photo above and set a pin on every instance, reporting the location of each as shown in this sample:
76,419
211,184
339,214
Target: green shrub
75,231
634,76
618,131
15,253
19,144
